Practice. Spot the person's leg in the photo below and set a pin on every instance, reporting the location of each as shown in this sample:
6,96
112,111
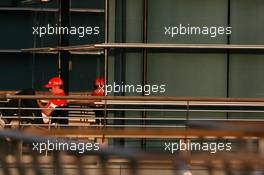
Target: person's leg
99,114
103,121
60,112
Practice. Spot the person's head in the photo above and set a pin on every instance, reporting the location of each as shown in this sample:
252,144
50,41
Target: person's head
99,83
54,85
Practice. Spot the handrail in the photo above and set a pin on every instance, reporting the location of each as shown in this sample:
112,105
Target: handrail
178,46
148,46
38,9
151,104
231,130
135,98
153,101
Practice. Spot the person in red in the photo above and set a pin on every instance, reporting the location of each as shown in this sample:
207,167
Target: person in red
55,87
98,87
98,91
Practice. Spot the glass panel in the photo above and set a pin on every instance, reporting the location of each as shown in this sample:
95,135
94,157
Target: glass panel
191,13
247,22
192,75
85,68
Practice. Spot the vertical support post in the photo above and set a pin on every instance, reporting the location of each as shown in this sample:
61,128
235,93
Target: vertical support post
228,55
120,57
188,110
19,113
145,40
120,36
19,143
64,56
145,62
106,38
106,26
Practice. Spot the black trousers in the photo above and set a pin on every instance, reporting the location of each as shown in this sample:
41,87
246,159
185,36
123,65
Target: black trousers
24,103
99,114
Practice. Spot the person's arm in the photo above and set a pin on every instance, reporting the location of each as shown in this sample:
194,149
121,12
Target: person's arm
40,104
47,111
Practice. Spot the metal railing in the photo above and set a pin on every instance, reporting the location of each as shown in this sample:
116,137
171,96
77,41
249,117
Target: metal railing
187,108
114,160
177,119
123,161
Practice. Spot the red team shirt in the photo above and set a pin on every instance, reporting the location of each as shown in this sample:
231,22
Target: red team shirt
57,103
54,103
97,92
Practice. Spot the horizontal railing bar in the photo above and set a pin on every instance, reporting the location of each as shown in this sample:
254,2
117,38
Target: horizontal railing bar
10,51
133,98
148,46
114,126
149,110
191,103
142,132
83,117
56,52
161,104
178,46
87,52
84,10
69,48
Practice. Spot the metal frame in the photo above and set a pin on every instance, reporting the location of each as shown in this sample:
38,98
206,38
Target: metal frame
174,104
154,133
64,55
159,46
31,9
197,129
133,98
145,62
179,46
10,51
130,160
228,53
